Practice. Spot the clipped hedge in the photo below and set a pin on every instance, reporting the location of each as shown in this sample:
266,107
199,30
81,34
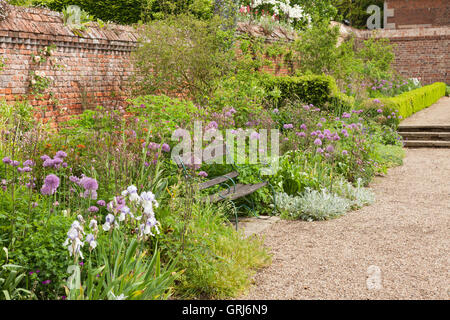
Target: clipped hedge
320,90
413,101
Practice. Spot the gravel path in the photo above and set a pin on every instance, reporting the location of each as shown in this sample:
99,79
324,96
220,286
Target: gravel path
398,247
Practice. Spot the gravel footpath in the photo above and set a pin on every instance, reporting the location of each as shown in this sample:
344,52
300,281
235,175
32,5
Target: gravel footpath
398,247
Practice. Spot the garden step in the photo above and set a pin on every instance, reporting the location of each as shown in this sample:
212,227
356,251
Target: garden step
424,128
434,136
427,144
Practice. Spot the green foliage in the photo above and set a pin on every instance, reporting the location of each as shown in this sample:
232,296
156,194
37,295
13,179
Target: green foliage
447,90
20,112
217,261
123,11
411,102
11,277
355,11
318,90
313,205
183,55
319,52
389,155
124,271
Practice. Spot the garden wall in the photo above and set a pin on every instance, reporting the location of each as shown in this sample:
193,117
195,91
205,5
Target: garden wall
94,67
419,53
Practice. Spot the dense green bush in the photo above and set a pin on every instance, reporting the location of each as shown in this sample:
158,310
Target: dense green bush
411,102
131,11
183,55
315,89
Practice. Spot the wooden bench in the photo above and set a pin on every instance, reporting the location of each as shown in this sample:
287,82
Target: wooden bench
233,190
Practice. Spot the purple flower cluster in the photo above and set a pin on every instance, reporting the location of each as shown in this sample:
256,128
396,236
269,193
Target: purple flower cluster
51,183
56,162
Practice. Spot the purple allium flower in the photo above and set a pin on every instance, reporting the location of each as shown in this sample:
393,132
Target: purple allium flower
52,182
345,152
276,111
28,163
15,163
376,101
6,160
74,179
45,157
202,174
61,154
306,107
380,110
320,125
101,203
254,135
153,146
318,142
89,183
400,117
330,148
319,150
212,125
346,115
165,147
301,134
35,204
321,136
48,163
323,120
288,126
93,209
30,273
303,126
46,282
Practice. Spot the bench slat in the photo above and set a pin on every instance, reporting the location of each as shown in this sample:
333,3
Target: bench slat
241,191
219,180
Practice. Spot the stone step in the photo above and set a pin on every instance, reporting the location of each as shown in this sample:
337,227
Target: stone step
426,144
434,136
424,128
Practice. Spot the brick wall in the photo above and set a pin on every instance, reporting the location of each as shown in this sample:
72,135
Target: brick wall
419,52
95,66
419,13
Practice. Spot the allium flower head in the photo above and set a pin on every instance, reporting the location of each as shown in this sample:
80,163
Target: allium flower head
6,160
61,154
52,181
89,183
318,142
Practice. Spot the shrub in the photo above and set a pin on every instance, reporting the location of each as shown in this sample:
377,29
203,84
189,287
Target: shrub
411,102
312,205
217,261
182,55
318,90
358,195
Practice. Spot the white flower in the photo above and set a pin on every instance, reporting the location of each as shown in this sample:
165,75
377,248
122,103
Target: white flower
106,226
80,218
93,225
91,240
134,197
132,189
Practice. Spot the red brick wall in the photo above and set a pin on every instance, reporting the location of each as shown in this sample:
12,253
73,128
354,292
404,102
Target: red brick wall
420,52
419,13
95,66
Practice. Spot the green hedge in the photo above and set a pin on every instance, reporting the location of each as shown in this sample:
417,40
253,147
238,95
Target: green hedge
320,90
413,101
